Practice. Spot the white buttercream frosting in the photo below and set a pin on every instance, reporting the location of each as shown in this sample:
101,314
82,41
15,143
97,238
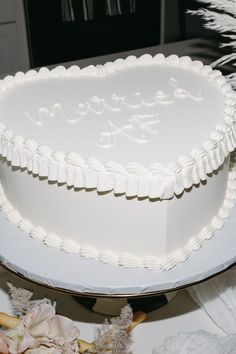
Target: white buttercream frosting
70,246
119,127
127,259
52,240
25,225
38,233
156,180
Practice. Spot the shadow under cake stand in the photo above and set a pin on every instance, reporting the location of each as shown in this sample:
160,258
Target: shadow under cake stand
89,279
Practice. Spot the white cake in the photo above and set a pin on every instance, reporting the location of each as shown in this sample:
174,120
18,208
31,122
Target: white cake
127,163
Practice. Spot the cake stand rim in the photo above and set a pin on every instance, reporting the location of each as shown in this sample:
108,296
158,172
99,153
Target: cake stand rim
104,295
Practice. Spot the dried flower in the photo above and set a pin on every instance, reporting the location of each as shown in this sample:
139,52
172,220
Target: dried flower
21,300
220,16
41,331
112,337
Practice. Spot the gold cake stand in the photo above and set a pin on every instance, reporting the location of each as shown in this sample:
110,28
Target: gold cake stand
97,302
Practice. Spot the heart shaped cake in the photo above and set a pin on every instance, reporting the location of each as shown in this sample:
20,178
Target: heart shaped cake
127,163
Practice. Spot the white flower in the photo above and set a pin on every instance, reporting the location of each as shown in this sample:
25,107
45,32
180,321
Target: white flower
41,331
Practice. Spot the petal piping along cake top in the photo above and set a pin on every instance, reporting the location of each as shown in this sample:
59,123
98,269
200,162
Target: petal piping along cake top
131,117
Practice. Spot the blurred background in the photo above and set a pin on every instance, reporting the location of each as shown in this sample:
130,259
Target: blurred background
37,33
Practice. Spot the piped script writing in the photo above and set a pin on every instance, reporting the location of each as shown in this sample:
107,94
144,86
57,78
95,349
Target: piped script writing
138,129
141,124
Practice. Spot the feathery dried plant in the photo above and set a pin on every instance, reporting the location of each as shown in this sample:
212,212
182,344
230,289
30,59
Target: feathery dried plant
220,16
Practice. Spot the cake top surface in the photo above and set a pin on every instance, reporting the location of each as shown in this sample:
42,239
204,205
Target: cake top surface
138,113
143,113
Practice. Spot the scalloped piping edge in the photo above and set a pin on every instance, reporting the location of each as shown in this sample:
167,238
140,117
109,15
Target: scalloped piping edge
125,259
157,181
